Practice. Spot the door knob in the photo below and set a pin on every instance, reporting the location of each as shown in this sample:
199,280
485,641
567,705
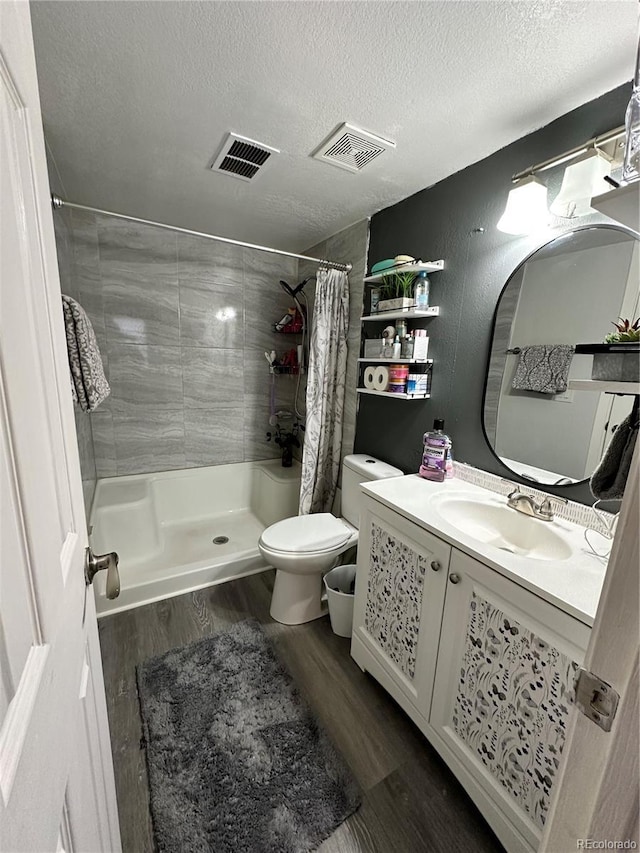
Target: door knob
436,565
454,577
94,563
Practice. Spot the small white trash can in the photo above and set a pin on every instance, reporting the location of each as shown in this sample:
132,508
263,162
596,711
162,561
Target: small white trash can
340,583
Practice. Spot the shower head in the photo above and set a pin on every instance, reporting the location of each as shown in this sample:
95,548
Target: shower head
293,291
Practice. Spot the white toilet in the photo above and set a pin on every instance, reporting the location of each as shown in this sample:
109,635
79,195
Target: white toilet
306,547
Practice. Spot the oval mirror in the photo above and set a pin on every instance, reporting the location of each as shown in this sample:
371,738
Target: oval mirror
567,292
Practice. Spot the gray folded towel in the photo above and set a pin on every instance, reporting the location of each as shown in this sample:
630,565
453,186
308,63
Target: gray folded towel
543,368
89,385
610,477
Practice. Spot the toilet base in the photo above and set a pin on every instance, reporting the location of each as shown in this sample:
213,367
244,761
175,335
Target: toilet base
297,598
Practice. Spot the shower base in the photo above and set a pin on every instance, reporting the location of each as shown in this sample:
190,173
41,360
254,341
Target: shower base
163,526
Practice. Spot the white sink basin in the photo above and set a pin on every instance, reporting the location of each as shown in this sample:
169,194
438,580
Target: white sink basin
501,527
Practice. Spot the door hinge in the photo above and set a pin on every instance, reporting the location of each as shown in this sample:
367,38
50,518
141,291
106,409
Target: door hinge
596,699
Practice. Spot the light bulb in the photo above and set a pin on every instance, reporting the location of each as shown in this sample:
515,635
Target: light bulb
583,179
526,209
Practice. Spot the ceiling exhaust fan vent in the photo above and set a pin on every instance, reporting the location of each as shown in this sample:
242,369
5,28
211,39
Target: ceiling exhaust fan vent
351,148
242,158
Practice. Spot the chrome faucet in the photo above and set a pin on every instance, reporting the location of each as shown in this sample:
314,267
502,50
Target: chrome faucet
527,505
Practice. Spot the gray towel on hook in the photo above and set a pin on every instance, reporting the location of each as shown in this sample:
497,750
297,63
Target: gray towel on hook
543,368
610,477
89,385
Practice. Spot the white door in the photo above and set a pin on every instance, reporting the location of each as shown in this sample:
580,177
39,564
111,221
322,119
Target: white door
598,794
56,776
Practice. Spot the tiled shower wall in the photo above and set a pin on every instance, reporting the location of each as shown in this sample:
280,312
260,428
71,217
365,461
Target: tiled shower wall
183,324
70,285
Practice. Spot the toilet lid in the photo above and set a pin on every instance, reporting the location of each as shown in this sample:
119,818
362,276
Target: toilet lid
319,532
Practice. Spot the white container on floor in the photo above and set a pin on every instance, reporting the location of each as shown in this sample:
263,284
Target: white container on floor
338,583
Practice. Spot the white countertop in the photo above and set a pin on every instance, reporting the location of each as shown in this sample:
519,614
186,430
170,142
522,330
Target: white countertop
573,584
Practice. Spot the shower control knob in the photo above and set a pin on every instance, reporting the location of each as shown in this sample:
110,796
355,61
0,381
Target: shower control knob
94,563
436,565
454,577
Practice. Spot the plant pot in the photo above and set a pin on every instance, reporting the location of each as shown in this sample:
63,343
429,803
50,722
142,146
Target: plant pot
616,367
403,303
613,362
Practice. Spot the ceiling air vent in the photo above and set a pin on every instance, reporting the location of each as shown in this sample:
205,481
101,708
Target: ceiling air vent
351,148
241,157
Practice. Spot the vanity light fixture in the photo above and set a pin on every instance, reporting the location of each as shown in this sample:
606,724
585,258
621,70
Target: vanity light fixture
583,179
526,209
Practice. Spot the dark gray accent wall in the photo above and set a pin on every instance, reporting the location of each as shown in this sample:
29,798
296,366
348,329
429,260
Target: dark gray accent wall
440,222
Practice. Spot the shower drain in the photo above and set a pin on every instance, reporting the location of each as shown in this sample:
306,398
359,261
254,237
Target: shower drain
220,540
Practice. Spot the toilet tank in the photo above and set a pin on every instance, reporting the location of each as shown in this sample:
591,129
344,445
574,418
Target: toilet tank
361,468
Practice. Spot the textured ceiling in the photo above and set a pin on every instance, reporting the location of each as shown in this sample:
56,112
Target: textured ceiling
136,97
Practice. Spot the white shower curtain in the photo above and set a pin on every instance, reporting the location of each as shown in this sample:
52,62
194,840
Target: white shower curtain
325,392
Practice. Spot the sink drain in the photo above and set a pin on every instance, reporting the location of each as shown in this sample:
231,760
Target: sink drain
220,540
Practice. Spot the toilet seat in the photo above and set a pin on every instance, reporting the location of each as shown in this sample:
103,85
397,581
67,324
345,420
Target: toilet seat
307,534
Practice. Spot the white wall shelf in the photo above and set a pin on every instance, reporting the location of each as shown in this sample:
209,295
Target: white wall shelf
606,386
423,266
396,360
410,314
620,204
391,394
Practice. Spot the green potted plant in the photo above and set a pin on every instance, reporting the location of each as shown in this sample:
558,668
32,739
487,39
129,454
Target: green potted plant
618,358
396,292
627,332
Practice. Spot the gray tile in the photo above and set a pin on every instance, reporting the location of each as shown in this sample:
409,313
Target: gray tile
213,436
350,245
258,382
85,240
263,265
256,427
88,492
149,441
211,315
260,316
132,247
145,376
89,295
85,444
265,302
212,377
209,262
104,443
64,252
141,308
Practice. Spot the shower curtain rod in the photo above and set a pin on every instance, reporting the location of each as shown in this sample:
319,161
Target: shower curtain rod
59,203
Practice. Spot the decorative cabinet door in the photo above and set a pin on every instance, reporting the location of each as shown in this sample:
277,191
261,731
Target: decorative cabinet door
400,587
504,688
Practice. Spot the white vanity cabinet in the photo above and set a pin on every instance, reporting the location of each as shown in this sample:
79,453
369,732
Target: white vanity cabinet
483,666
503,689
400,589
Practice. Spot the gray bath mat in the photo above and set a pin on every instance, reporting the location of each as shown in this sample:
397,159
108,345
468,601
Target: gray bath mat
235,759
